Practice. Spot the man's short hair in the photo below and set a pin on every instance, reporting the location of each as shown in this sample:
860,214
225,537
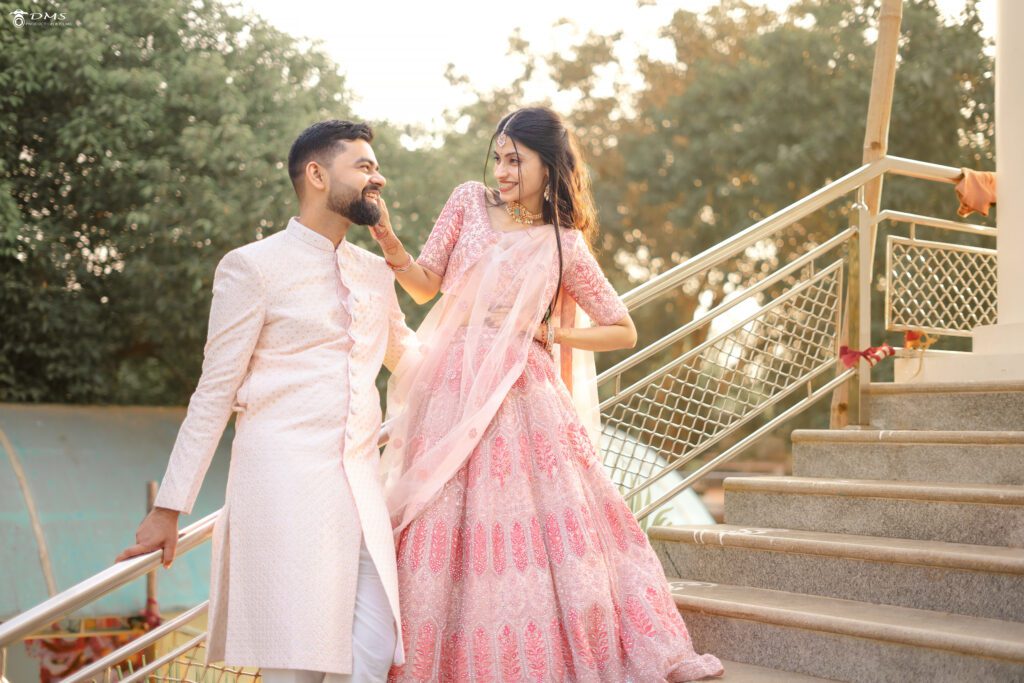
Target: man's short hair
321,142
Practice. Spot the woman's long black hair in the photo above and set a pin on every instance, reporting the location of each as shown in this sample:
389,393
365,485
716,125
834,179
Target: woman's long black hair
571,203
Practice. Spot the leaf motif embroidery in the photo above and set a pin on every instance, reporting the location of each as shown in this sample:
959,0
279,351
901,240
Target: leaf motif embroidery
579,640
615,524
519,552
561,656
419,543
536,656
456,561
638,617
664,615
423,664
555,548
597,634
511,669
454,659
479,549
635,532
482,661
501,460
543,454
575,533
438,546
498,548
540,556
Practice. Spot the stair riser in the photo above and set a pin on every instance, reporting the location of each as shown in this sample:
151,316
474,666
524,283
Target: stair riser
839,657
982,594
958,463
971,523
968,411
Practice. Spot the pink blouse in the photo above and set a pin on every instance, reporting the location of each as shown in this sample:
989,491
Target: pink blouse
464,231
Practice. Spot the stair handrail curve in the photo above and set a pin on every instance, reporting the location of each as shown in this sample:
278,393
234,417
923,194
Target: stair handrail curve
856,333
785,217
66,602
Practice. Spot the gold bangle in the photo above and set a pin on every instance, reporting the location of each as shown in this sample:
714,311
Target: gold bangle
400,269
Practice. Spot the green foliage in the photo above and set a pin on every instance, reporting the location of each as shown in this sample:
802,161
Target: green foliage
761,109
150,138
141,144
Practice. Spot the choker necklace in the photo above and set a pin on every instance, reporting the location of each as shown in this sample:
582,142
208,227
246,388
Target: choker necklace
520,214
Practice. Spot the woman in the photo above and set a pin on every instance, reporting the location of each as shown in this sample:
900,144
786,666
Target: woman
517,557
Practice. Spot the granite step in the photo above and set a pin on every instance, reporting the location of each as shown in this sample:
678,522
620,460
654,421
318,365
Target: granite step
975,514
991,457
968,406
846,640
980,581
738,672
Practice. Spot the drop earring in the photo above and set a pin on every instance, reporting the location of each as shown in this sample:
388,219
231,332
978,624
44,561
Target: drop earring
547,193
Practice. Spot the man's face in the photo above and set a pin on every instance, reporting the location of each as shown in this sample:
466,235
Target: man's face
355,183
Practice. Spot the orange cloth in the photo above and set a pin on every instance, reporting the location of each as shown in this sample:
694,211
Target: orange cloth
976,191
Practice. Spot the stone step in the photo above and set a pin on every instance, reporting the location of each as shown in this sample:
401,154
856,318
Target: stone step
738,672
992,457
981,581
976,514
845,640
967,406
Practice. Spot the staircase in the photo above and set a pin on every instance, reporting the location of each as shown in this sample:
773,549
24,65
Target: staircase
893,553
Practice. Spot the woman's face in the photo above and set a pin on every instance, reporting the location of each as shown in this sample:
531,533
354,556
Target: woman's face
520,173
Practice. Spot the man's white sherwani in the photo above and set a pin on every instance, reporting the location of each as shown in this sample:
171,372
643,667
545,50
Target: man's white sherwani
298,331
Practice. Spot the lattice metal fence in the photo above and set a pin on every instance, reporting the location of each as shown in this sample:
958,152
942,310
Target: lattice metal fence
937,287
690,404
187,667
183,662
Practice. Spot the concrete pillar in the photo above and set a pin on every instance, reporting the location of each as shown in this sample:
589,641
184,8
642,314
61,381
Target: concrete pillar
1007,337
998,350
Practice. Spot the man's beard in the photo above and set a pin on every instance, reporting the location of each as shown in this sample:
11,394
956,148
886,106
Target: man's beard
355,206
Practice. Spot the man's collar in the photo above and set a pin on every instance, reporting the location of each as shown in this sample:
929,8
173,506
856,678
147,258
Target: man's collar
312,237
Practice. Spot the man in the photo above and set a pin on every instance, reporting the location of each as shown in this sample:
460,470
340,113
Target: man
303,581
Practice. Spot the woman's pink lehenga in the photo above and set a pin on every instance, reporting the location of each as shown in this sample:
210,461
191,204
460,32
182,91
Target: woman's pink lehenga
518,559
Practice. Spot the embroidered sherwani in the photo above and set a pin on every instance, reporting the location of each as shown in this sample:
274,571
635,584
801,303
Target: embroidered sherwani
298,331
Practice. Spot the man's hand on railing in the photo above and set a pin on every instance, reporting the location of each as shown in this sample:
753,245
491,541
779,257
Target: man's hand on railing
158,531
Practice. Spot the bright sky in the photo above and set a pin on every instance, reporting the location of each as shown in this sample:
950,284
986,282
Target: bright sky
394,52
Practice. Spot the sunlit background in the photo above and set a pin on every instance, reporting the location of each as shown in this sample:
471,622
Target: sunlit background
395,53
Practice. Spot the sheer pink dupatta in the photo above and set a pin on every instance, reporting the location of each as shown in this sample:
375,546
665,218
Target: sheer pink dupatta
577,368
473,347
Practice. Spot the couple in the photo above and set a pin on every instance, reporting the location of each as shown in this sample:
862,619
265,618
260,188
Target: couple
489,519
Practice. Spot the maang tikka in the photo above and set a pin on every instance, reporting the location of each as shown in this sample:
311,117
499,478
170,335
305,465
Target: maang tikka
503,135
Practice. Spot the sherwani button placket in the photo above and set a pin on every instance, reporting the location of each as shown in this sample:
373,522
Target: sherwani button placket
346,311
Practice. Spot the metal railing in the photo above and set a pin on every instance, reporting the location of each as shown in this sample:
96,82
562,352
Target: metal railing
775,363
938,287
775,358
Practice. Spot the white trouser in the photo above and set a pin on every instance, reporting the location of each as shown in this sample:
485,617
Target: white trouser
373,635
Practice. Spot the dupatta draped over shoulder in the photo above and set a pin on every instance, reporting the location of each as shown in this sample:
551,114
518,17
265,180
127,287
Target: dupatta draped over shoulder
496,289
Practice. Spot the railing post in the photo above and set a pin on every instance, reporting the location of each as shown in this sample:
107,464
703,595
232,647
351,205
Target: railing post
858,313
866,247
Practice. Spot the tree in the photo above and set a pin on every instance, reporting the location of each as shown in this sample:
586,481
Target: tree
761,109
142,144
149,139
